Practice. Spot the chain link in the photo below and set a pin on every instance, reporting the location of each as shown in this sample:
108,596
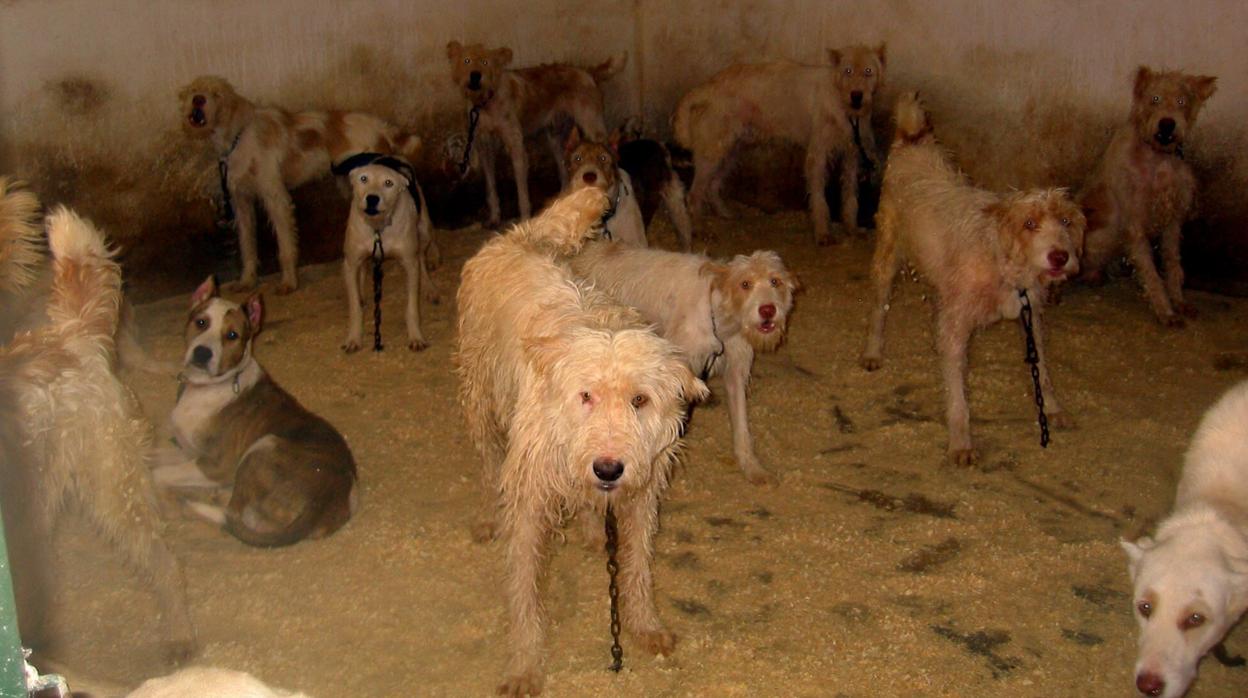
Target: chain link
1032,357
379,254
613,590
865,165
473,117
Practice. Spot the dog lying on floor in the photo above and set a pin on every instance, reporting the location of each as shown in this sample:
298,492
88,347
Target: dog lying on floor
1191,578
289,473
977,248
268,151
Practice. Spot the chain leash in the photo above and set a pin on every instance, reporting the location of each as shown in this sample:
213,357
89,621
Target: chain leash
379,254
474,115
613,590
1032,357
865,165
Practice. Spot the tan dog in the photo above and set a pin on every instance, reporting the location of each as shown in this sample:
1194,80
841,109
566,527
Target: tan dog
289,473
718,313
574,406
70,431
979,249
269,151
593,164
1144,190
516,103
818,106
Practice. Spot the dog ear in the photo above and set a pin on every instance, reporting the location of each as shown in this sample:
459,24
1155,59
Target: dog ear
881,52
1143,75
613,141
208,289
1204,86
543,352
255,312
503,57
834,57
574,139
716,271
454,50
1135,551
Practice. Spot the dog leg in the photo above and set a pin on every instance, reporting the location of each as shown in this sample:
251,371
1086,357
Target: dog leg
816,180
884,266
954,330
352,268
513,139
424,241
1171,241
184,474
638,520
526,533
1141,255
674,200
414,272
245,221
556,154
281,210
738,360
850,169
487,152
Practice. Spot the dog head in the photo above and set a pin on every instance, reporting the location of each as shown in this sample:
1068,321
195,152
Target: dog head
859,73
756,291
206,103
1041,232
1165,105
376,191
612,404
218,333
1188,592
476,70
591,164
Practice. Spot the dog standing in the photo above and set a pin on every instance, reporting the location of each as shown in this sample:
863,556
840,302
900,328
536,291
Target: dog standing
290,473
71,431
1144,190
826,108
513,104
387,201
574,406
978,249
1191,579
718,313
268,151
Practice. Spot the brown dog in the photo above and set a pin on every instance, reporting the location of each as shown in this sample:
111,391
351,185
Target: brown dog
1144,190
513,104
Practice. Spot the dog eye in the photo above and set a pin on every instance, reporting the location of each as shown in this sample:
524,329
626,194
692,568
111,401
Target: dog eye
1145,608
201,323
389,183
467,61
849,71
1182,101
484,62
639,401
1066,222
231,335
746,285
1193,621
775,283
586,397
363,179
1029,224
868,72
576,158
602,158
1156,99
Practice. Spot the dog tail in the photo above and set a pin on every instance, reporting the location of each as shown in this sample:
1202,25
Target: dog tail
86,286
607,69
21,240
239,522
911,118
687,110
565,226
407,146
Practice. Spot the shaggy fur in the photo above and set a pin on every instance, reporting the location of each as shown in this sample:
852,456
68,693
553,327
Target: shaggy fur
270,151
718,313
815,106
523,102
1143,190
978,249
71,431
574,406
1191,580
209,682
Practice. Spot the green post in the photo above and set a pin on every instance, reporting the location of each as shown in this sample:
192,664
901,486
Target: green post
12,668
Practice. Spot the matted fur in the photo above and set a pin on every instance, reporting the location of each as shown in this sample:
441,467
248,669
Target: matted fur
21,240
976,247
271,151
1143,190
71,431
805,104
515,103
560,384
718,312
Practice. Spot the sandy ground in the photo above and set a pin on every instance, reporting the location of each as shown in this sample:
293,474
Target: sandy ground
874,569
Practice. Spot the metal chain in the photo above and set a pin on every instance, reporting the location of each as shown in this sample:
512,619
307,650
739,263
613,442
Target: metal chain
474,115
379,255
1033,357
865,165
613,590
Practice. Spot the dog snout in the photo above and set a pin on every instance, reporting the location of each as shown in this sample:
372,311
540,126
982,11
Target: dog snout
371,201
608,469
590,177
198,101
1150,684
200,356
855,99
1166,126
767,311
1058,258
474,80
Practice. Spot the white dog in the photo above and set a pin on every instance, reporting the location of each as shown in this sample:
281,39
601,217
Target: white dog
1191,580
387,201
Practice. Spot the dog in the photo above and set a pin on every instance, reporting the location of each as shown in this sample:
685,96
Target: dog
70,431
1143,190
289,473
387,202
512,104
1191,579
267,151
827,108
574,406
717,313
209,682
637,176
977,248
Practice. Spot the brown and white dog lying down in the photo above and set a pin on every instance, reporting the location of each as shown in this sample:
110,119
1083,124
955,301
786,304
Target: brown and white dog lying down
718,313
289,473
73,436
826,108
209,682
636,176
269,151
1143,189
978,249
513,104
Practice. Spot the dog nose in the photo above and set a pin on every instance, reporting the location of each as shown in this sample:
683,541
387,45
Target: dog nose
608,469
474,79
372,200
200,356
1166,126
1058,258
590,177
198,101
855,98
767,311
1150,684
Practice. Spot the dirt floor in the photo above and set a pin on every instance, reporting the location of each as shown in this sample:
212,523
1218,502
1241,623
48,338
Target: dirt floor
873,569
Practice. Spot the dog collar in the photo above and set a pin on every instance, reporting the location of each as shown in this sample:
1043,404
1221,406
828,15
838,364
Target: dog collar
608,214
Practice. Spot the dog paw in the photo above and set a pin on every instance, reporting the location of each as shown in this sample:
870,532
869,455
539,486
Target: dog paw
1187,310
1173,321
286,288
823,240
351,346
418,345
1062,420
963,456
871,363
178,652
526,684
658,642
759,476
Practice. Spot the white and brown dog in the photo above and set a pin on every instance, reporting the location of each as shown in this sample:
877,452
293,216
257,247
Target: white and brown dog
267,151
387,203
512,104
289,472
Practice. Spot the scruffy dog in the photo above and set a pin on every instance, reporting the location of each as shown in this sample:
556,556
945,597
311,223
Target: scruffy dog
718,313
513,104
387,201
979,250
289,472
574,406
1143,190
636,176
1191,580
267,151
209,682
70,431
827,108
